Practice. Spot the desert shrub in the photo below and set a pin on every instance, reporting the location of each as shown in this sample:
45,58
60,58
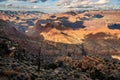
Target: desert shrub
59,63
97,75
50,66
20,54
3,48
9,74
111,78
33,77
76,75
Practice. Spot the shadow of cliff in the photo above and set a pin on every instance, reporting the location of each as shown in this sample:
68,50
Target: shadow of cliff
75,25
64,24
114,26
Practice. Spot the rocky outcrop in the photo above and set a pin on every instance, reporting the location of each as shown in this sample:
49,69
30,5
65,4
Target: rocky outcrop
102,43
87,68
8,31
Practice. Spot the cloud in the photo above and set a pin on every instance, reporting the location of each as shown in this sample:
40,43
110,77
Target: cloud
62,5
63,2
80,3
32,1
77,5
102,2
2,0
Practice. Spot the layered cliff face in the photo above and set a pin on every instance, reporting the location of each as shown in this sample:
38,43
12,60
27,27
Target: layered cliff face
58,32
59,39
7,30
61,33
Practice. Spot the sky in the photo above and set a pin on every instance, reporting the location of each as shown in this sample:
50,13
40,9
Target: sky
54,6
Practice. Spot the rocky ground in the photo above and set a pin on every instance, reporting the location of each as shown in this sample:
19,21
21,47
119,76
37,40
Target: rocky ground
63,68
16,64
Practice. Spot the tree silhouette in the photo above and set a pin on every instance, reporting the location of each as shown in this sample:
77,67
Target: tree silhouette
83,50
69,54
38,60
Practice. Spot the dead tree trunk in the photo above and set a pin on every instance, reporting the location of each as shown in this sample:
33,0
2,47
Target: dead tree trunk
83,50
38,59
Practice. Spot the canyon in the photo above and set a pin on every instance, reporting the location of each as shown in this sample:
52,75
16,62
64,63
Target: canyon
63,43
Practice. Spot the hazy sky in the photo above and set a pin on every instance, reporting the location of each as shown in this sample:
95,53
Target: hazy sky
59,5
